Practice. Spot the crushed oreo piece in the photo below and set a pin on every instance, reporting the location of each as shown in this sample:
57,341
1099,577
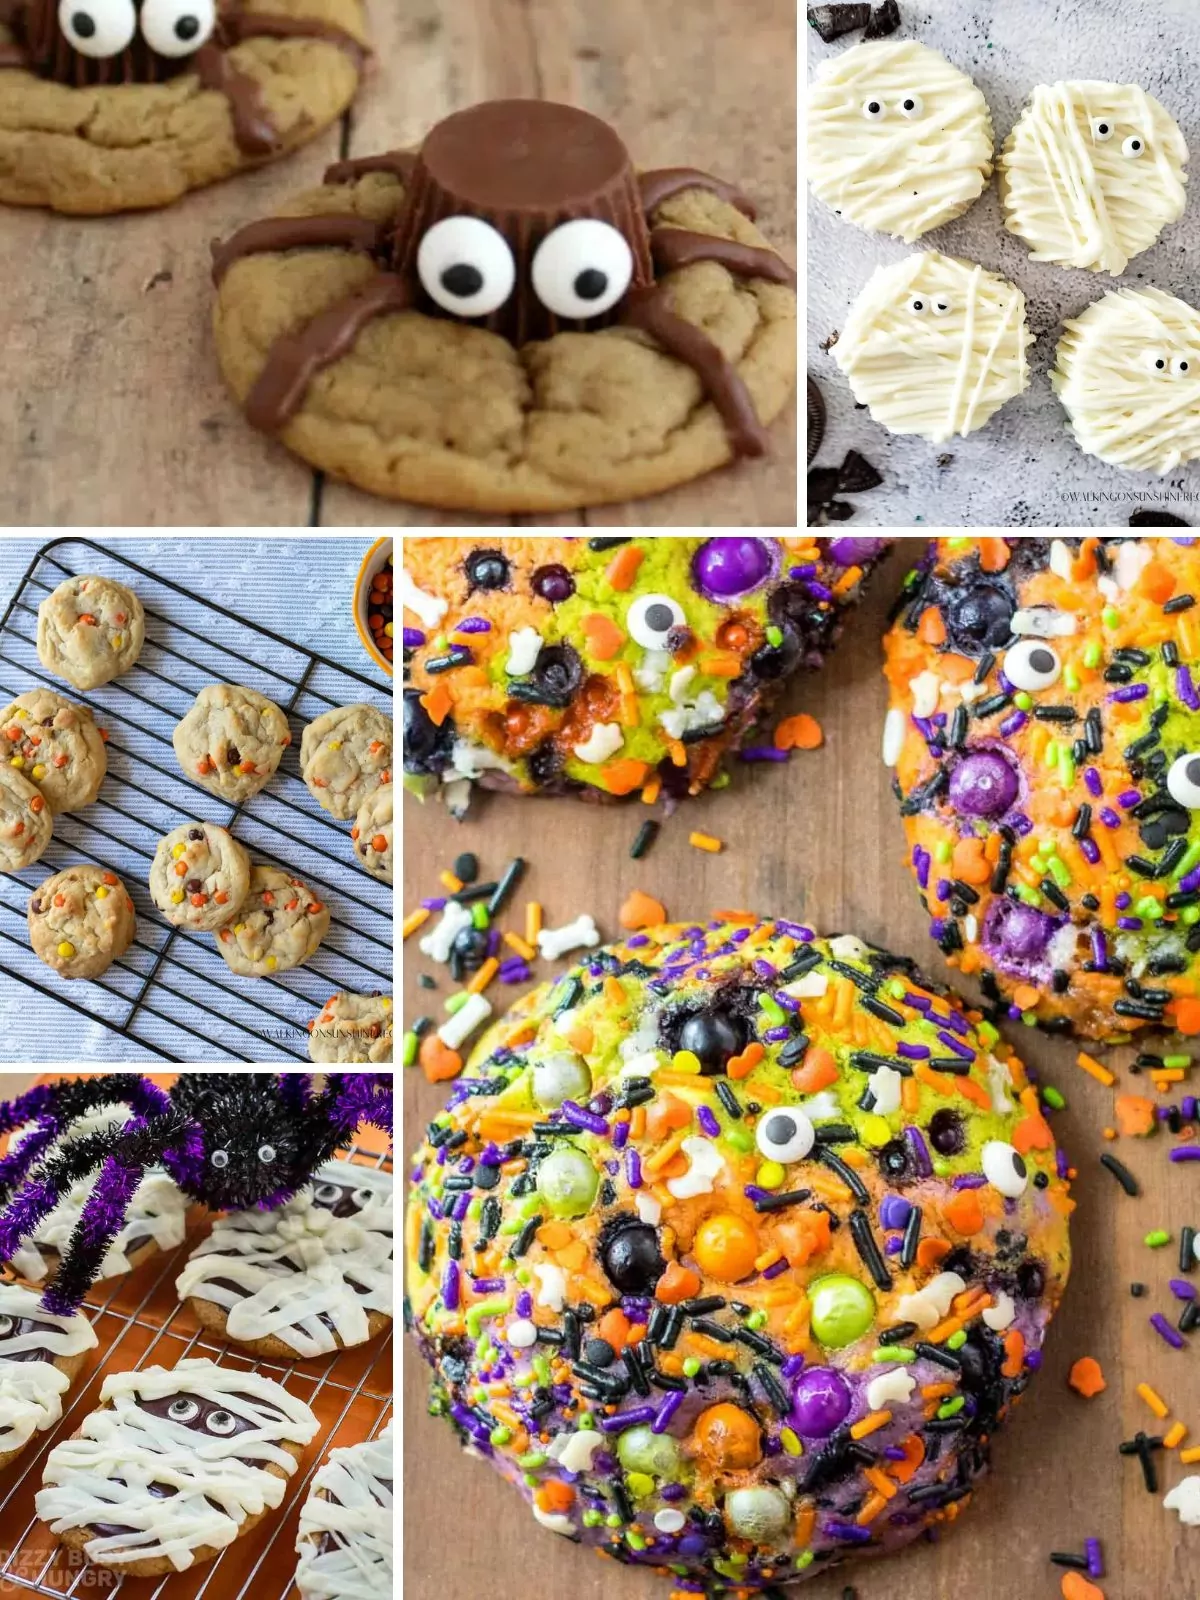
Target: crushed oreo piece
1156,519
885,19
831,22
816,420
944,460
856,474
822,486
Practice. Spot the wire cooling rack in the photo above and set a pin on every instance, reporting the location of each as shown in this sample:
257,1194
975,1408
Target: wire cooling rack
140,1322
172,993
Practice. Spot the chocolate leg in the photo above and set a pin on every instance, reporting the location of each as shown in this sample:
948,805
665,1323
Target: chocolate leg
296,359
13,55
399,163
253,131
647,309
297,233
667,181
679,247
261,25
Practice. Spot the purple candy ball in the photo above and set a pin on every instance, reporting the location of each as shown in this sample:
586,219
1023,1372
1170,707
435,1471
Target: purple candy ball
983,784
853,550
1018,932
723,569
553,583
821,1401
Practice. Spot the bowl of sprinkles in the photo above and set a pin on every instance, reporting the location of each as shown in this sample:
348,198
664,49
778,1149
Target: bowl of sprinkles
373,604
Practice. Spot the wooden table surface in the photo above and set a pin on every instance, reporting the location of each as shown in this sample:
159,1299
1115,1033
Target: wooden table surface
820,841
113,411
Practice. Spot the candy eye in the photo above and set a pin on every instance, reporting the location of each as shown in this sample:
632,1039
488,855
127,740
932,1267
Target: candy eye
220,1158
1156,361
6,1326
466,267
874,110
942,308
651,617
1183,780
582,269
221,1422
918,305
1133,147
177,27
362,1197
97,28
266,1153
1004,1168
327,1193
785,1135
183,1410
910,106
1031,664
1102,129
1181,366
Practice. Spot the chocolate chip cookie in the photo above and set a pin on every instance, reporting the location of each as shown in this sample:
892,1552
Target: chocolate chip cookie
26,821
231,741
56,745
280,924
352,1027
81,920
199,877
90,630
345,755
372,833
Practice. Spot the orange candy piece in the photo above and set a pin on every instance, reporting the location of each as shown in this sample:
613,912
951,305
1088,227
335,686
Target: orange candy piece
438,1062
623,777
1086,1377
604,638
1187,1014
677,1283
800,732
964,1213
729,1437
969,861
726,1246
1135,1115
1076,1587
817,1071
641,911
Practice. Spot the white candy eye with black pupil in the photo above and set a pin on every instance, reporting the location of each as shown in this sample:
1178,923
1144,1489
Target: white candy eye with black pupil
97,28
328,1194
362,1197
466,267
1133,147
582,269
1181,366
183,1410
266,1153
918,305
1156,361
220,1158
910,106
221,1422
1102,129
1032,664
785,1136
651,618
1004,1168
1183,780
177,27
874,110
941,308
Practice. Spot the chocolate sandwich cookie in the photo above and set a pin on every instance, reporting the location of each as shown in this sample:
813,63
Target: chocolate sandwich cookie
510,319
1045,734
40,1357
309,1278
607,667
344,1540
222,85
777,1238
225,1442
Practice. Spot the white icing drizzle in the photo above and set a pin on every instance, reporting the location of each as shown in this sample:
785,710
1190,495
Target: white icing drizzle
898,174
1123,408
31,1391
157,1211
935,374
251,1249
105,1475
1077,196
350,1500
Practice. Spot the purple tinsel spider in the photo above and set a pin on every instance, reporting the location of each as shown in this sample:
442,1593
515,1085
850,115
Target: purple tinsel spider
229,1140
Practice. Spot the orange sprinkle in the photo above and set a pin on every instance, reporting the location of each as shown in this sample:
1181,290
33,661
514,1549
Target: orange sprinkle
993,554
969,861
1076,1587
614,990
871,1509
705,841
932,1251
880,1482
605,639
914,1455
1190,1456
677,1284
438,702
581,1039
931,629
622,569
964,1212
1187,1014
870,1424
515,942
484,976
651,790
1175,1435
1135,1115
1025,996
1154,1400
413,921
623,777
1086,1377
449,882
554,1235
1095,1069
438,1062
552,1495
800,732
1156,582
742,1066
533,921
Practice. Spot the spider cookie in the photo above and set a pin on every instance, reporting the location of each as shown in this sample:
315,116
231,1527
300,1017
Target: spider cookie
1128,373
1045,734
26,821
90,631
899,141
510,319
345,757
56,745
81,920
40,1358
279,924
174,1465
309,1278
608,667
231,741
372,833
935,346
1092,173
738,1138
221,85
344,1540
352,1027
199,877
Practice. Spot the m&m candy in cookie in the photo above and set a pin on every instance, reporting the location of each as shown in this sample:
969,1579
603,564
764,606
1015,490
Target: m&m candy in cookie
732,1249
608,667
1045,734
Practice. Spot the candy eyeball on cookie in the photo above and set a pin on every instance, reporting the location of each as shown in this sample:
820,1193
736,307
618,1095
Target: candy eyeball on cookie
177,27
97,28
466,266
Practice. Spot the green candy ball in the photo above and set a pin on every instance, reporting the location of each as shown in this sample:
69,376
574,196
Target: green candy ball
641,1450
561,1076
842,1309
567,1181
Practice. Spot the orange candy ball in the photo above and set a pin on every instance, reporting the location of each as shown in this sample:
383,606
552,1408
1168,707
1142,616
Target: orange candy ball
726,1247
729,1437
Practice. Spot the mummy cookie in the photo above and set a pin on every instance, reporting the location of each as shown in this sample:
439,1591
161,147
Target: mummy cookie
1128,373
40,1357
934,345
90,630
312,1277
812,1192
1092,173
899,141
344,1540
155,1219
174,1466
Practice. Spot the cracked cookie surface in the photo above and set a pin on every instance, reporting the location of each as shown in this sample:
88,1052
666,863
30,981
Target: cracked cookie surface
352,1028
81,920
199,877
90,630
56,745
231,741
280,924
345,755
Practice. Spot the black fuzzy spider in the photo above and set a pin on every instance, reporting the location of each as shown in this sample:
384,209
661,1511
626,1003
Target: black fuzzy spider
229,1140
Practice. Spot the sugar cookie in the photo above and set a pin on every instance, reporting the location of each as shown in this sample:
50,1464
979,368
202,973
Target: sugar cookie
344,1540
40,1357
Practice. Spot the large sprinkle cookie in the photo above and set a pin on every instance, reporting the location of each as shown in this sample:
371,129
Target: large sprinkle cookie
733,1248
608,666
1128,373
1092,173
934,345
899,141
1045,731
